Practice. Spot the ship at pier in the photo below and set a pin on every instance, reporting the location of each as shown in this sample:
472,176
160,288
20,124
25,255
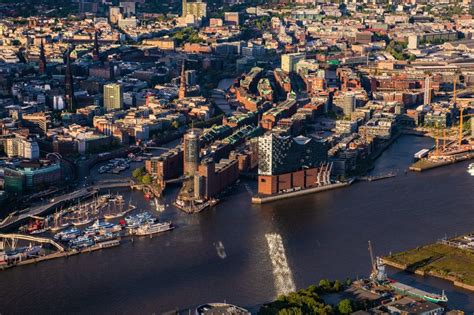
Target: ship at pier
379,278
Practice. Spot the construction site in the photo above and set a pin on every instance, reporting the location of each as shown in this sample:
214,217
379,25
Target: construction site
452,144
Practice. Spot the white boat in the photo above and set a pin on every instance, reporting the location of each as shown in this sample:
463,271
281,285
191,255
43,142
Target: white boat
154,228
39,231
470,169
158,206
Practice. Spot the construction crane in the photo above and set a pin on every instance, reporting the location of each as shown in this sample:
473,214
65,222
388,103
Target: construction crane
444,139
436,134
455,94
372,261
460,125
455,80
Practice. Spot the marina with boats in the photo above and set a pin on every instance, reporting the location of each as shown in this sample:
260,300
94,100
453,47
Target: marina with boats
118,165
103,222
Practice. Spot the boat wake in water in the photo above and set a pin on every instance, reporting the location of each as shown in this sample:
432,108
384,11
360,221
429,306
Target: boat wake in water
283,276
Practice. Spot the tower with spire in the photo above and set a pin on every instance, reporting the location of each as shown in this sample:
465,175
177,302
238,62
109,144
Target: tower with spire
182,84
42,59
69,84
95,50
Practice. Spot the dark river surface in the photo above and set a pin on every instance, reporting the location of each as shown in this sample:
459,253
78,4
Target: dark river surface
222,254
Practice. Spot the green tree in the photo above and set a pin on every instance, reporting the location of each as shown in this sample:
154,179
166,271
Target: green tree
146,179
290,311
344,307
138,172
325,284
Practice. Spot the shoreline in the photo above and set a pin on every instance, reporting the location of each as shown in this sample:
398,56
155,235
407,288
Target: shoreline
456,283
62,254
268,199
431,165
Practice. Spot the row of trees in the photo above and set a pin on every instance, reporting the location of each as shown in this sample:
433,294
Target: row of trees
309,301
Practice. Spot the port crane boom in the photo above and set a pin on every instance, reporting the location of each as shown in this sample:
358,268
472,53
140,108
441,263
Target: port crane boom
372,261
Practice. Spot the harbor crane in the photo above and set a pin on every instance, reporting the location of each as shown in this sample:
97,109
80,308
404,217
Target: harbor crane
372,260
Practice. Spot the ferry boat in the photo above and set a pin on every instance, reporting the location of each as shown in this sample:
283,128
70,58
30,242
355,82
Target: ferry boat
153,228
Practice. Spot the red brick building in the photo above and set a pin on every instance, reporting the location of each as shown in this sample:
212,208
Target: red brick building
214,178
273,184
166,166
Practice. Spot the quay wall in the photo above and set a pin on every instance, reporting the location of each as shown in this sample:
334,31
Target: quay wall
404,267
261,200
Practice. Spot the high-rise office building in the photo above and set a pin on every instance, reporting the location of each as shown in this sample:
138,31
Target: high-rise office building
192,148
113,97
348,104
289,61
427,96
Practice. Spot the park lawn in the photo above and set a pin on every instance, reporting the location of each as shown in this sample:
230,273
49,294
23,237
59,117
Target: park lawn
440,259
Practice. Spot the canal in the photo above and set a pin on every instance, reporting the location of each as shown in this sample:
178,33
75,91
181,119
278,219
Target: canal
222,254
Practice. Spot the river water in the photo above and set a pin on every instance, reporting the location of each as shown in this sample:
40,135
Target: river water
222,254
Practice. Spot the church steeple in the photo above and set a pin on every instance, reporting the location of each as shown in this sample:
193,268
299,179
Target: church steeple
42,59
182,85
69,84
